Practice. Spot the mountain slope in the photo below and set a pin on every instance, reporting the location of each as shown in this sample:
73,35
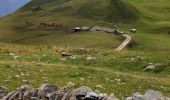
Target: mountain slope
65,12
147,17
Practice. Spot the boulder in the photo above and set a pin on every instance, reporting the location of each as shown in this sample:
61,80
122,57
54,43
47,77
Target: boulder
154,95
92,96
85,28
81,92
3,92
63,94
24,93
47,91
112,97
8,95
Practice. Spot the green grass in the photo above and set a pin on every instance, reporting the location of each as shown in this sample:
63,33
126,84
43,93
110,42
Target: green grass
33,45
42,64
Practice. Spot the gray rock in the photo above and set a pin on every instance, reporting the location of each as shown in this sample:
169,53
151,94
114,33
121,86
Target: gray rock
3,92
154,95
14,96
137,96
66,54
34,93
105,29
24,93
34,98
47,91
81,92
91,96
8,95
76,29
112,97
129,98
85,28
96,28
104,97
63,93
150,67
133,30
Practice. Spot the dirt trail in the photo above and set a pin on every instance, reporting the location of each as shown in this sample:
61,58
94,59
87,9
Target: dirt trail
124,43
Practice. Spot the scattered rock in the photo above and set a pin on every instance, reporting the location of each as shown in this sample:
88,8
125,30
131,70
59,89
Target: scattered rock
76,29
133,30
82,79
73,57
66,54
91,58
79,49
96,28
149,67
85,28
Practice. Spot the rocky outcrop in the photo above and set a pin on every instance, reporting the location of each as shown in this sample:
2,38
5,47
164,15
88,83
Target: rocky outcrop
52,92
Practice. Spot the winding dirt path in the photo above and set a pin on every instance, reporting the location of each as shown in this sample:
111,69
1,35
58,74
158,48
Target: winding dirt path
124,43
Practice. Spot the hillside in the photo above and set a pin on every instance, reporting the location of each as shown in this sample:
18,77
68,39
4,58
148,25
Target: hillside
126,14
67,12
35,55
